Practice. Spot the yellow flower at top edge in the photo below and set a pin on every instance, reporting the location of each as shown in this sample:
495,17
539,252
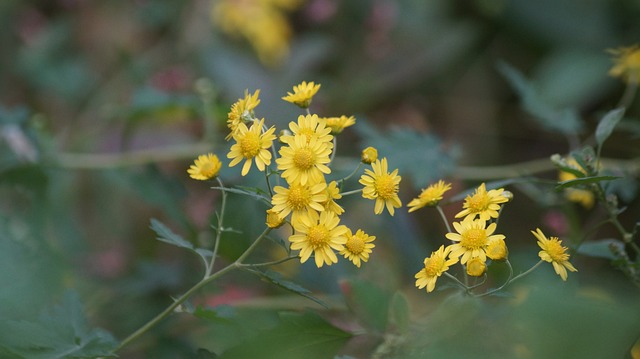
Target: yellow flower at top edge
554,253
304,161
483,204
252,144
381,186
338,124
626,63
302,94
320,235
241,109
434,265
472,239
358,247
205,167
429,196
299,199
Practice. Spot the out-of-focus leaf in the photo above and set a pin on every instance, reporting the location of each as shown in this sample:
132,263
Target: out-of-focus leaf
16,115
205,354
582,181
297,335
422,156
221,313
151,103
369,302
607,124
60,333
601,248
563,120
166,235
400,313
276,278
562,165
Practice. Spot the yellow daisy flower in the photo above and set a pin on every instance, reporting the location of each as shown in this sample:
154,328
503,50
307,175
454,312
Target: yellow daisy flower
472,239
626,63
358,247
205,167
302,94
241,110
252,144
304,161
381,186
320,235
333,193
338,124
497,249
369,155
483,204
476,267
311,126
299,199
430,196
554,253
434,265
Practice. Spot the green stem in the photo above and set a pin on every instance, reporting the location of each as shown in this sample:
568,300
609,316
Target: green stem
629,93
503,285
351,192
253,245
444,218
266,264
219,229
462,285
340,182
526,273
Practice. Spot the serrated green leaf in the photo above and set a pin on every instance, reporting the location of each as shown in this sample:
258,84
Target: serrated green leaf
297,335
601,248
166,235
400,314
582,181
276,278
607,124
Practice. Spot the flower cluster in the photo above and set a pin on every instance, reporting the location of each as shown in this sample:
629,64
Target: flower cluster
308,198
475,243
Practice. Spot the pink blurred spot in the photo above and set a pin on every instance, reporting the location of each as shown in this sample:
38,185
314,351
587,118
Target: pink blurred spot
556,222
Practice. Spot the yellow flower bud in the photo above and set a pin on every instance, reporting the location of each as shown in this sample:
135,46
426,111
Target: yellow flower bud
273,219
497,250
369,155
476,267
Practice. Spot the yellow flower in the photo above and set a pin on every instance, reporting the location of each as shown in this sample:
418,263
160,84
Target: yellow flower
476,267
483,204
251,144
554,253
338,124
369,155
304,162
381,186
205,167
583,197
241,110
497,249
626,63
320,235
333,193
472,238
299,199
312,127
434,266
302,94
358,247
273,219
430,196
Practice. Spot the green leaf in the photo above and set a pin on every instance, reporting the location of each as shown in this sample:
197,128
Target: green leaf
297,335
584,180
369,302
607,124
276,278
601,248
562,165
205,354
221,313
167,236
60,333
400,314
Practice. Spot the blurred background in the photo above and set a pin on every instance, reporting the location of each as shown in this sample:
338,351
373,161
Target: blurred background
104,105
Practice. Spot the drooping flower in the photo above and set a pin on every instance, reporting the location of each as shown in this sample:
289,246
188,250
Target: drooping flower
241,110
299,199
554,253
320,235
358,247
497,249
434,265
369,155
472,239
205,167
304,161
252,144
311,126
338,124
476,267
626,63
381,186
333,193
273,219
483,204
302,94
430,196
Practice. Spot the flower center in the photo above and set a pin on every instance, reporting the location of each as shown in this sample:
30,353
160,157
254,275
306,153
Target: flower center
208,169
307,131
556,250
432,266
303,158
385,187
355,244
298,197
250,145
318,236
474,238
478,202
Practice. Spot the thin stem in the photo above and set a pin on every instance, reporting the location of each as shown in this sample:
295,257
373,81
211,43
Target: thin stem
526,273
266,177
351,192
466,288
219,229
239,191
503,285
444,218
266,264
629,93
253,246
351,174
